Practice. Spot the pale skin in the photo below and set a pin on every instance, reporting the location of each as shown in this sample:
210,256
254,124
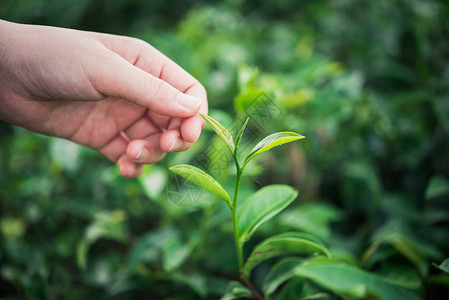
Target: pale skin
115,94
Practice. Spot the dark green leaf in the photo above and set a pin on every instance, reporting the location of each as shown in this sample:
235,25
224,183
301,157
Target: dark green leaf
293,289
236,291
107,225
279,273
174,254
404,276
444,266
438,186
148,247
314,218
351,282
284,243
195,281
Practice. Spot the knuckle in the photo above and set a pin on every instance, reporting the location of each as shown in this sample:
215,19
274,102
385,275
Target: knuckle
200,88
159,89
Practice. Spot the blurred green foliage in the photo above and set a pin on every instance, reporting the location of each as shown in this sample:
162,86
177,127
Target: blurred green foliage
367,82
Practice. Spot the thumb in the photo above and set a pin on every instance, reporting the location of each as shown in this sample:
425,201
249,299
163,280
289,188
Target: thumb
120,79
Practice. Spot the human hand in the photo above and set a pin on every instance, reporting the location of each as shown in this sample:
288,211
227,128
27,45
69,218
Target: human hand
115,94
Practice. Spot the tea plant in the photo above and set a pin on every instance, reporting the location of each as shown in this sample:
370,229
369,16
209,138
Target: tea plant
343,279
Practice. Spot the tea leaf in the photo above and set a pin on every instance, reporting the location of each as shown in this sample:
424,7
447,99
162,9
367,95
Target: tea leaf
284,243
222,132
236,290
273,140
262,206
174,254
403,275
437,187
201,179
240,134
148,247
444,266
106,225
351,282
279,273
294,289
313,218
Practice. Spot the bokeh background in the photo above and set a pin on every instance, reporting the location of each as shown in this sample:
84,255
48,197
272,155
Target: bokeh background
367,83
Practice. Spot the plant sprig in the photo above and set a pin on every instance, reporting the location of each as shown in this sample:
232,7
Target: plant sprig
262,206
257,209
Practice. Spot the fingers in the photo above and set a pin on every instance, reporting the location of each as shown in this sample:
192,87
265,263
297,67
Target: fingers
150,60
118,78
131,156
145,151
157,63
137,72
171,141
191,127
138,153
129,169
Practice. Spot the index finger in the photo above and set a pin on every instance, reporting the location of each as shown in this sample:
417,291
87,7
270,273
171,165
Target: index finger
149,59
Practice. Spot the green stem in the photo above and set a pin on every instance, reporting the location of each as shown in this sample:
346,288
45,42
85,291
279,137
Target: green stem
238,245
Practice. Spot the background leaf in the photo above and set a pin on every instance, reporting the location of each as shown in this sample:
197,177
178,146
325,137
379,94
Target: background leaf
349,281
105,225
437,187
236,290
444,266
313,218
174,254
279,273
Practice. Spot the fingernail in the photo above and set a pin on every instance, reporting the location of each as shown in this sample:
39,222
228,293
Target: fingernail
188,101
176,143
143,154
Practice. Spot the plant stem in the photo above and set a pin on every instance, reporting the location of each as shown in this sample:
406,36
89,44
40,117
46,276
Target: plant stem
254,291
238,245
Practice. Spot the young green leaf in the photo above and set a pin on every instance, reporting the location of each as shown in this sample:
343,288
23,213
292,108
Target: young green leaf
273,140
280,273
222,132
240,134
262,206
284,243
201,179
351,282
